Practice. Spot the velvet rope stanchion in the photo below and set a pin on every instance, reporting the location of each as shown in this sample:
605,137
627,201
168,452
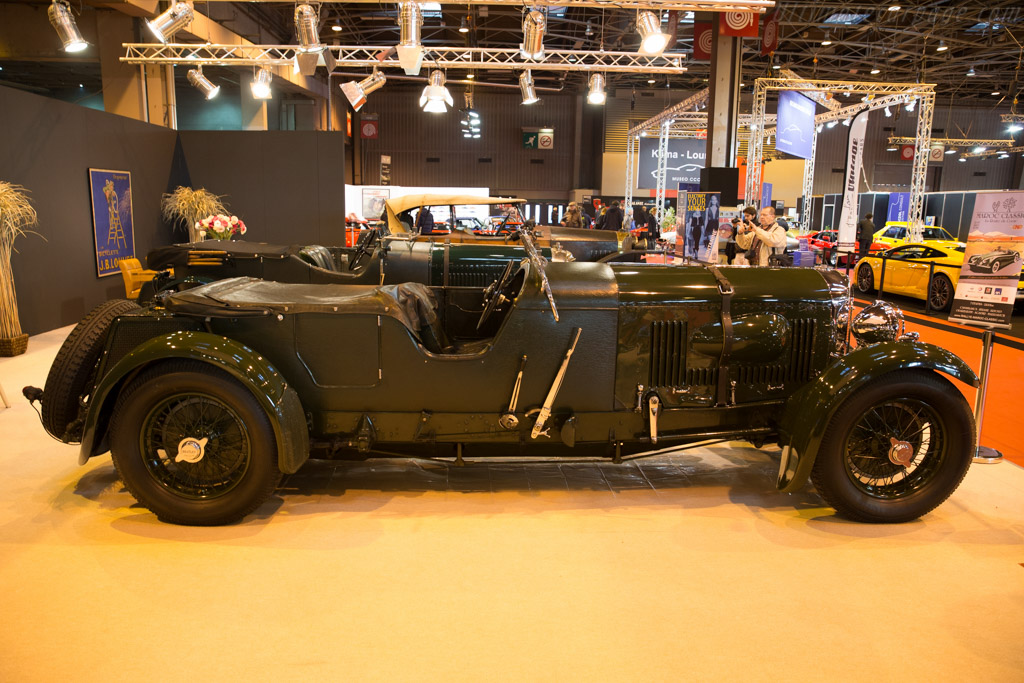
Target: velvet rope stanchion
983,454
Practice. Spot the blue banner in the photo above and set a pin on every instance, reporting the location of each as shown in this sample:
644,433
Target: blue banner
794,128
112,224
899,207
766,194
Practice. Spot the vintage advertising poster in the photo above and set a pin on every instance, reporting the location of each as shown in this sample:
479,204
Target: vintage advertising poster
697,233
373,202
112,224
989,277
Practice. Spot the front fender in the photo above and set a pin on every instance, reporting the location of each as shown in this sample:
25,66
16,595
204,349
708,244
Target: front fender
810,409
255,372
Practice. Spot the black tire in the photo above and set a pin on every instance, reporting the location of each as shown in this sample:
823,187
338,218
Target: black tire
940,293
855,471
74,365
994,268
865,278
237,466
833,257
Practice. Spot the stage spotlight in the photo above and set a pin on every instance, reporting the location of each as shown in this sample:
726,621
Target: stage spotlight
527,88
356,91
534,25
410,24
652,40
435,95
170,21
307,28
596,94
261,84
64,23
202,83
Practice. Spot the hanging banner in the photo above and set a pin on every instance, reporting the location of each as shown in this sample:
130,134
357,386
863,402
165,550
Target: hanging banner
112,219
769,33
702,40
738,24
766,195
854,158
989,278
697,233
385,169
907,152
795,124
685,158
899,207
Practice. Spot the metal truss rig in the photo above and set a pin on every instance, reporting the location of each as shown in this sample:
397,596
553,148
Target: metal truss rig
994,152
368,56
954,142
664,5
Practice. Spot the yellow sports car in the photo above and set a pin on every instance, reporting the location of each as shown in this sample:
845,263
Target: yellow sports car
907,270
896,234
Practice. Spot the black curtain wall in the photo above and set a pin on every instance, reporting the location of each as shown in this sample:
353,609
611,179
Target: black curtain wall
287,186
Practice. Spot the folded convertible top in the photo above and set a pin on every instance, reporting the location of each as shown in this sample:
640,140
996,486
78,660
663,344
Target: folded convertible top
412,303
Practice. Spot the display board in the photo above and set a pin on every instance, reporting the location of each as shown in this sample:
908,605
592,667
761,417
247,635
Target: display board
685,158
697,232
987,287
795,124
112,222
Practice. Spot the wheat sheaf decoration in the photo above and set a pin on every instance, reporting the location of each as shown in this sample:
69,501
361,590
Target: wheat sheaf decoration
17,217
184,207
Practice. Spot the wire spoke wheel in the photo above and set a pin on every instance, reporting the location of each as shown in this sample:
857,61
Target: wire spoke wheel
895,448
871,458
225,454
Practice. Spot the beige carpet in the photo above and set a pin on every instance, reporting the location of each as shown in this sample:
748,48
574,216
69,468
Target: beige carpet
690,567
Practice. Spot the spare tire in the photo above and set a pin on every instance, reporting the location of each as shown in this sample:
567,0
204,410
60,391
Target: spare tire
74,365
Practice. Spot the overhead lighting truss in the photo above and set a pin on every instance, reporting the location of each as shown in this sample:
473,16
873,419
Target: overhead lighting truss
993,152
758,6
954,142
367,57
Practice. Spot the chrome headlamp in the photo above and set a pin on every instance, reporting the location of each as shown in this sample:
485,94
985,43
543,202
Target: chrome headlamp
880,322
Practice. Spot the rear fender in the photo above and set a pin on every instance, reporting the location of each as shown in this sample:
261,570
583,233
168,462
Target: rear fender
255,372
810,410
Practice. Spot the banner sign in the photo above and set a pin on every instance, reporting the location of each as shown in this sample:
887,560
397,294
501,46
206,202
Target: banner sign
907,152
385,169
899,207
702,40
770,33
112,221
739,24
989,277
685,159
854,158
795,125
766,195
697,232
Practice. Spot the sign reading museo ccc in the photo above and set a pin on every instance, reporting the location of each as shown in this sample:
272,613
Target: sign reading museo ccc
684,159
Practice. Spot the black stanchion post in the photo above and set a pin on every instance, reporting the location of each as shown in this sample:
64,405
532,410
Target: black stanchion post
928,290
881,280
983,454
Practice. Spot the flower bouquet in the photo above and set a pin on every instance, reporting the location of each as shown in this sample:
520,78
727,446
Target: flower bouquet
220,227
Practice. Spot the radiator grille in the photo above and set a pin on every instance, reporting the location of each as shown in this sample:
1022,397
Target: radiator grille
474,276
668,353
798,364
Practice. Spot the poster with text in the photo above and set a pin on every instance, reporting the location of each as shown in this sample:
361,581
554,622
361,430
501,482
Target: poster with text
848,219
684,158
795,124
899,207
112,224
373,202
697,235
990,276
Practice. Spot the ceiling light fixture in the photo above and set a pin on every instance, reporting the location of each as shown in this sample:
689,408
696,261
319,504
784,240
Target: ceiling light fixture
356,91
819,127
534,25
888,112
1014,128
202,83
261,84
336,26
890,149
831,124
826,41
895,8
910,105
436,94
942,46
962,158
978,150
596,94
464,26
995,94
652,40
410,26
875,72
527,88
170,21
307,28
470,76
971,72
951,150
846,121
64,24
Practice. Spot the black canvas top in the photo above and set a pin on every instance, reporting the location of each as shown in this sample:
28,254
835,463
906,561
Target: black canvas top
177,254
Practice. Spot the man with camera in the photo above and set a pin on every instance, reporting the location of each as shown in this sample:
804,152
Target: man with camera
760,241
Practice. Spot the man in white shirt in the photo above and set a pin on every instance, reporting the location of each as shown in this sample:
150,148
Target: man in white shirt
760,241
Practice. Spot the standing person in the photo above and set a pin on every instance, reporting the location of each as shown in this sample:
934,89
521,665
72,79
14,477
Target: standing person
573,217
613,219
730,244
865,235
762,240
601,217
653,228
640,220
425,221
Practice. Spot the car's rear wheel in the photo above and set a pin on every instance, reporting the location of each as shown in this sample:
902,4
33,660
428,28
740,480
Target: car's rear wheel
994,267
74,365
193,445
940,293
833,256
865,278
895,449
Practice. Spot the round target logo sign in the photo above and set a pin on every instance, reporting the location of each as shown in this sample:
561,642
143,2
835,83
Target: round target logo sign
368,129
907,152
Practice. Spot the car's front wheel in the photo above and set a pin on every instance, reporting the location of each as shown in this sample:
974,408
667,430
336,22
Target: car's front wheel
994,267
940,293
865,278
193,445
895,449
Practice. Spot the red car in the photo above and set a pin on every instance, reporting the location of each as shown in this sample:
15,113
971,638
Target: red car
825,241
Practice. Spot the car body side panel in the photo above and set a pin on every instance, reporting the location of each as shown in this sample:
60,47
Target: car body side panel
801,438
249,367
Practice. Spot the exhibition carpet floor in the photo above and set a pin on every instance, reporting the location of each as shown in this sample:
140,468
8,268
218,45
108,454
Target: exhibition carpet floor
683,568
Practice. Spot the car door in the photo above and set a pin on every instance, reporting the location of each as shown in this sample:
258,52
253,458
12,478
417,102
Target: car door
899,268
918,265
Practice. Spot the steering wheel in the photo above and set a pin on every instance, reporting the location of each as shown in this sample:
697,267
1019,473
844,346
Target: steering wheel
495,293
363,248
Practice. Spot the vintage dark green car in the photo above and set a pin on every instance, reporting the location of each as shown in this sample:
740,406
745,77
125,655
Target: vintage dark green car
207,396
